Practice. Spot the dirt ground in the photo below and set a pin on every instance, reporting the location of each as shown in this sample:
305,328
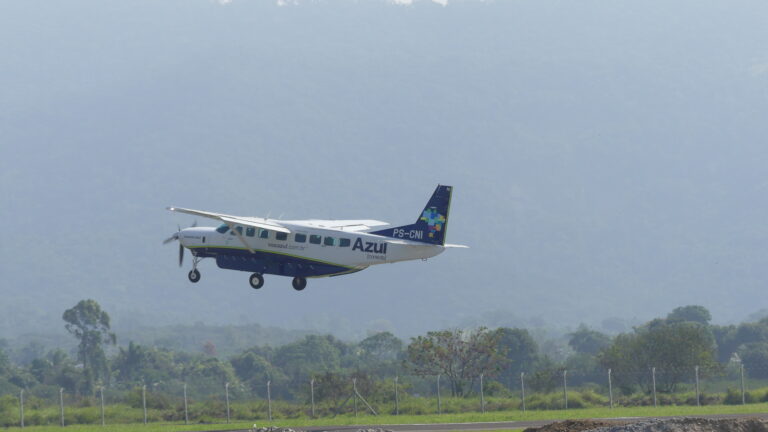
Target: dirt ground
676,425
575,426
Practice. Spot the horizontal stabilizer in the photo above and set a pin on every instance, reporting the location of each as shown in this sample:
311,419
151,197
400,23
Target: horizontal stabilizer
456,246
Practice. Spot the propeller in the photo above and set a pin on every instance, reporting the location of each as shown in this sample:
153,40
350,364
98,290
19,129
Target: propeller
175,236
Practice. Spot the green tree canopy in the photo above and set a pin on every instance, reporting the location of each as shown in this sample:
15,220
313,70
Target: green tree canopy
586,341
673,349
459,355
90,325
690,313
381,346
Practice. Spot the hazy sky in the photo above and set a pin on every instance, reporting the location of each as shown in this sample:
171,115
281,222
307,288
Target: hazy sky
608,157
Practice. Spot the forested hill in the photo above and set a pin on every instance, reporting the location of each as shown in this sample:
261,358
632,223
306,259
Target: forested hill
608,158
222,340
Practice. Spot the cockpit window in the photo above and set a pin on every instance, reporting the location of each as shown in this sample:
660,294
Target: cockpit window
250,231
223,228
239,229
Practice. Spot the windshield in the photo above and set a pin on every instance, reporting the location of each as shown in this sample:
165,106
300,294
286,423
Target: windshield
223,228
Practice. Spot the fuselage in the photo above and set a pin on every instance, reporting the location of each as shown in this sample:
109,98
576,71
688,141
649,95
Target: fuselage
304,252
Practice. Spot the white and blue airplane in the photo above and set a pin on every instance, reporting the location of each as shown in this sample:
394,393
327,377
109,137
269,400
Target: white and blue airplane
312,248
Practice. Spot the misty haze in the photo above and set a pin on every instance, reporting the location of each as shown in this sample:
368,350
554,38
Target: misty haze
608,158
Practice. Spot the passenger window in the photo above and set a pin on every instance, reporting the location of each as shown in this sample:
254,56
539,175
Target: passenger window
263,233
250,231
315,239
223,228
344,242
281,236
329,241
300,238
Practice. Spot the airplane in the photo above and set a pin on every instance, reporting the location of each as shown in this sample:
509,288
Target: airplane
312,248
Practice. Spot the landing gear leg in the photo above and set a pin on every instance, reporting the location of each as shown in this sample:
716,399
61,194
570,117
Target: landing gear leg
299,283
194,275
256,280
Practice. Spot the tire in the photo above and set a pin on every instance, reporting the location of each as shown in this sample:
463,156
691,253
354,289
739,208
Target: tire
299,283
256,280
194,276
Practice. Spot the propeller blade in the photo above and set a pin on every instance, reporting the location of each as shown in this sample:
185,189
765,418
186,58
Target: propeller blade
175,236
194,224
181,254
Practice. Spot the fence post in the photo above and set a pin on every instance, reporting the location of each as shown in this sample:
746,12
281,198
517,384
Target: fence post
610,388
397,399
743,388
522,389
439,402
144,401
21,408
269,400
101,394
312,395
482,395
653,380
698,398
565,388
61,405
226,396
186,408
354,390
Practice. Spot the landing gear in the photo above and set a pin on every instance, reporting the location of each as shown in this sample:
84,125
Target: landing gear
194,276
299,283
256,280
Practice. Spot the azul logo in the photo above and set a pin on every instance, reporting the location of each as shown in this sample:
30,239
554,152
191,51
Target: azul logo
371,247
435,221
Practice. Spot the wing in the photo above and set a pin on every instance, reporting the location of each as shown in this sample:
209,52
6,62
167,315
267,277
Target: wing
342,225
231,220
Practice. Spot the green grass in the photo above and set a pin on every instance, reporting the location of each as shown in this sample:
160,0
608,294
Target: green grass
348,420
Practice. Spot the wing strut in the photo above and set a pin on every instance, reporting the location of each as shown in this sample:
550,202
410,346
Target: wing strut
239,235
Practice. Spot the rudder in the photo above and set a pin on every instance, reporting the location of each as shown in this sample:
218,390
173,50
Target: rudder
432,223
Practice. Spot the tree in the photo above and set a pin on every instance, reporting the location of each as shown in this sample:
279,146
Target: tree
254,371
586,341
673,349
691,313
461,356
754,356
522,353
381,346
90,325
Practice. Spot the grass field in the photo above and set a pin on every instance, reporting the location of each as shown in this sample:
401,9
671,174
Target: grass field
447,418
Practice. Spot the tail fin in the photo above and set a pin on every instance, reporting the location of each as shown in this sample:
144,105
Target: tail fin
432,223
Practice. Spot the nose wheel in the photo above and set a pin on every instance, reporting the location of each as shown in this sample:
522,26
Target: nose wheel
194,276
256,280
299,283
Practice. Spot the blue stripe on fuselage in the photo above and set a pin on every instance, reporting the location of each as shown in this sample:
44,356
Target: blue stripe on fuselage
269,262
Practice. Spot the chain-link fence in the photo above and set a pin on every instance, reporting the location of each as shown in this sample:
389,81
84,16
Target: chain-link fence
358,394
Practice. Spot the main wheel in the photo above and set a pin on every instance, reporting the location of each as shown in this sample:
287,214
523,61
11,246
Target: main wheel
194,276
256,280
299,283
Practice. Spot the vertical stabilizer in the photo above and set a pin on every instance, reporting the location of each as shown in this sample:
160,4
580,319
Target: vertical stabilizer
432,223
